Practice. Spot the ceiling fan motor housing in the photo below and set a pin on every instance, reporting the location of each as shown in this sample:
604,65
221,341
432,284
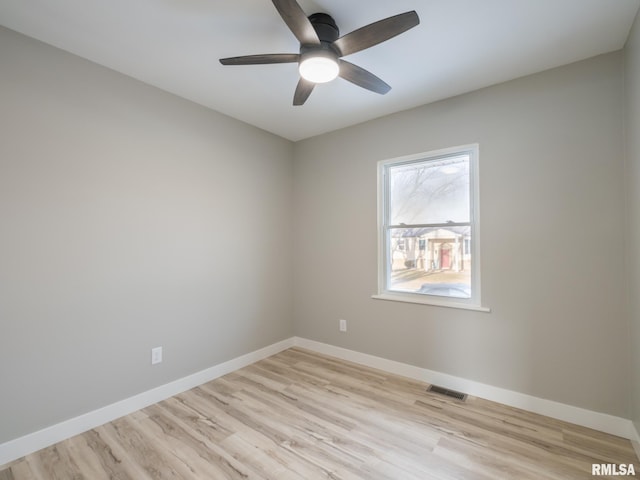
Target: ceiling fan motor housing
328,32
325,26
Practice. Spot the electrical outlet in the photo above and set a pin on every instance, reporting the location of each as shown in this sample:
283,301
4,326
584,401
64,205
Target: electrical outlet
156,355
343,325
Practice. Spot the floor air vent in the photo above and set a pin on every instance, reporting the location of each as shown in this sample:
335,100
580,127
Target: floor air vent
447,392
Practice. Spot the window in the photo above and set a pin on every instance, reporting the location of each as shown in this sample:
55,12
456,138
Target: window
428,217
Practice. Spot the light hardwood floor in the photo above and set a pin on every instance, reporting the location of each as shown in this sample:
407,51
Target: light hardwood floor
300,415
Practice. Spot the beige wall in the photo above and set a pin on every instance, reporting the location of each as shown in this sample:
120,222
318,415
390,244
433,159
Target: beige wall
632,87
552,222
129,218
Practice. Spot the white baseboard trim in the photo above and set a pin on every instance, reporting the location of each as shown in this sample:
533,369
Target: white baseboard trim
621,427
635,440
14,449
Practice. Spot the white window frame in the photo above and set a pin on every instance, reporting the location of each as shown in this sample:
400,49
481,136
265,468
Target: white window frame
473,303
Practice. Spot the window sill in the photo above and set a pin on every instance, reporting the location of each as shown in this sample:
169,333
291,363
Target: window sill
398,297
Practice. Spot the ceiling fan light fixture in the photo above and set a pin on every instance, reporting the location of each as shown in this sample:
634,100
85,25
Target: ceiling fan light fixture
319,67
322,48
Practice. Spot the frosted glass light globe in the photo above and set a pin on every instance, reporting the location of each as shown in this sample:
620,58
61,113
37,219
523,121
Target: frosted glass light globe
319,69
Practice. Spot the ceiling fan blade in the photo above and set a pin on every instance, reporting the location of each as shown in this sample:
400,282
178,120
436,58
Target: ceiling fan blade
303,90
361,77
297,21
376,33
261,59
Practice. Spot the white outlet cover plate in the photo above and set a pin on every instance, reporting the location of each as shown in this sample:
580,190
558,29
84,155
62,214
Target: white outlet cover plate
156,355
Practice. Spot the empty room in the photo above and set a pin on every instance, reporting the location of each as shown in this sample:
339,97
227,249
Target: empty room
317,239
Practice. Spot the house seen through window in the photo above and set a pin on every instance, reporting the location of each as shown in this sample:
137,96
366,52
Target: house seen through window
429,224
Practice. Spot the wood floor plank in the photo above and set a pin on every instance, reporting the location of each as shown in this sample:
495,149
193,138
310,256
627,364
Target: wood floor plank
193,457
87,460
300,415
6,474
23,470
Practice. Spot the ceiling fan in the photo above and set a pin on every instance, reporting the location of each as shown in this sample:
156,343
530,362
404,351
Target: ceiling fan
321,48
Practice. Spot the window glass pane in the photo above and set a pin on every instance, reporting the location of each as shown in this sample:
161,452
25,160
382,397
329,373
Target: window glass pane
431,261
434,191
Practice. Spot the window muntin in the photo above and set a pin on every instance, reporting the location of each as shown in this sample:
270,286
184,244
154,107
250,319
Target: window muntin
428,226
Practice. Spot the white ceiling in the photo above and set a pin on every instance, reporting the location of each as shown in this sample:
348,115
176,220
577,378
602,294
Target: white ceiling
460,46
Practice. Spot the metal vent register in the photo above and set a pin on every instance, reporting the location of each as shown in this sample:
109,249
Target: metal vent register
447,392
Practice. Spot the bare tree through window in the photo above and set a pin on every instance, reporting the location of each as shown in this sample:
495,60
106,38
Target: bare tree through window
428,226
